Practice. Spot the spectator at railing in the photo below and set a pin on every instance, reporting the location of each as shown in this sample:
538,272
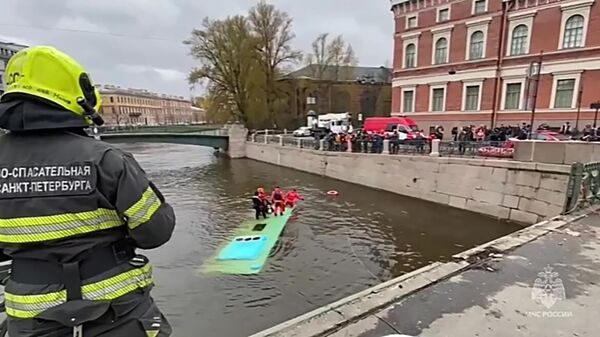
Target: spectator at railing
480,133
566,129
377,145
395,142
420,141
465,136
454,133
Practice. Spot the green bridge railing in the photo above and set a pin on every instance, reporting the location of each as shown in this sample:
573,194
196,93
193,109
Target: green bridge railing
584,187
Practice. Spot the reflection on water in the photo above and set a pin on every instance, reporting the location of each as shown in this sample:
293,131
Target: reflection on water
331,248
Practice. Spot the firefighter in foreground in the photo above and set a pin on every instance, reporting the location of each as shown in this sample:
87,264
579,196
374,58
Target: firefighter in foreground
73,210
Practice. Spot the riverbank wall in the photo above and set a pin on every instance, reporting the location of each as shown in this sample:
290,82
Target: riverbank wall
501,263
519,191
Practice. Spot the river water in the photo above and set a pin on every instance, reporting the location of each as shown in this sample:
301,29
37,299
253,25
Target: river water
332,247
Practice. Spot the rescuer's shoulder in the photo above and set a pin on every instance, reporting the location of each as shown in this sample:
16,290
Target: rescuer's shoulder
117,160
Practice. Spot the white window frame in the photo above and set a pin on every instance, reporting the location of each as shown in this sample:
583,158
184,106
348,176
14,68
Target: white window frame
408,17
464,95
437,14
414,90
513,80
443,32
438,86
473,7
573,75
406,40
472,27
570,9
514,22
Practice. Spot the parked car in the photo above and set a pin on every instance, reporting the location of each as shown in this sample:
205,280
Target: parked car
303,131
507,150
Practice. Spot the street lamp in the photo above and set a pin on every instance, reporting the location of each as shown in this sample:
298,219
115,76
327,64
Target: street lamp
579,95
533,77
595,106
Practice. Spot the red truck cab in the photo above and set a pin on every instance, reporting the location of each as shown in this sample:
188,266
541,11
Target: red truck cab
391,124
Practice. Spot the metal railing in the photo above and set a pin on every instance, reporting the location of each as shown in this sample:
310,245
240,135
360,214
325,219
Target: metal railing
583,188
283,140
468,149
423,147
483,149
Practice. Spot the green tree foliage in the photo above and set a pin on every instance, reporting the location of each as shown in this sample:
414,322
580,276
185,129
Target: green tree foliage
226,50
242,59
273,29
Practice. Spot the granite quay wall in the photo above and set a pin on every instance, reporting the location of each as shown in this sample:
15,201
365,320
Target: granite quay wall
525,192
237,140
567,152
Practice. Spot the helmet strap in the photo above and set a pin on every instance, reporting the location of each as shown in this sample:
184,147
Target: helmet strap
88,101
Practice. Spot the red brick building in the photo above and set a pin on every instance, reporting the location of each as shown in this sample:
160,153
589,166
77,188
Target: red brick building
460,62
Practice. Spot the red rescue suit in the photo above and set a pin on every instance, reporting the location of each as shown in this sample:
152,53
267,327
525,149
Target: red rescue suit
278,202
292,197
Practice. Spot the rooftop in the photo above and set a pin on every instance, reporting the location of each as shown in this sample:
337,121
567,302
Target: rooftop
11,45
115,89
344,73
398,2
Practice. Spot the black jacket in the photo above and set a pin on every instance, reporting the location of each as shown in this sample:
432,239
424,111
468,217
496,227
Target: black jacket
63,196
116,182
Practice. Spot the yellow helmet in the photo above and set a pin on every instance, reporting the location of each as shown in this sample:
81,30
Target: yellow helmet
47,73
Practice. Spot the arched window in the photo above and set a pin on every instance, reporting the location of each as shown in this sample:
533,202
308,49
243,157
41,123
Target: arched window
411,52
476,46
573,36
519,40
441,51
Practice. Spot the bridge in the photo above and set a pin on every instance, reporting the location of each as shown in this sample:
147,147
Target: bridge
230,139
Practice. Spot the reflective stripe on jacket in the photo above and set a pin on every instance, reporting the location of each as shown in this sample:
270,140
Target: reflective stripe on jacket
29,306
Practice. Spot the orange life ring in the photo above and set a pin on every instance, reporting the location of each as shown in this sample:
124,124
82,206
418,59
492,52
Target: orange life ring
332,193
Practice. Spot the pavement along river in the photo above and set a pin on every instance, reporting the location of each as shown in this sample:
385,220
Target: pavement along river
332,247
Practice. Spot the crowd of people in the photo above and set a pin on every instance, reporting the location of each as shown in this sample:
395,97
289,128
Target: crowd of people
372,142
461,137
589,133
275,203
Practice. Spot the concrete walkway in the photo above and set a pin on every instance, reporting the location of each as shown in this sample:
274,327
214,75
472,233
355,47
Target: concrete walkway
504,295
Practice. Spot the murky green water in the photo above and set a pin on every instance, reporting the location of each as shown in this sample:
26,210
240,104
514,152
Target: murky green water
330,249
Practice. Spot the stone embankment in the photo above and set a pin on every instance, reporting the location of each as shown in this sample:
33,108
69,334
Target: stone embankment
520,191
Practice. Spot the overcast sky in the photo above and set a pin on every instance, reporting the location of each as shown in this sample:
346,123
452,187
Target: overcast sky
139,41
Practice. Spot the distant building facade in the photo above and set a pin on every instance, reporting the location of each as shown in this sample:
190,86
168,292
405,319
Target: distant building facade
460,62
364,91
7,50
139,107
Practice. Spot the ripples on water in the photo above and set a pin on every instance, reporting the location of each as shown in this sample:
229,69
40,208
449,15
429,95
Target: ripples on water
331,248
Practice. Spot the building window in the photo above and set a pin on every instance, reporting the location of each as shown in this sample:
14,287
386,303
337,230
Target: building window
444,14
564,93
476,46
411,51
411,22
519,40
437,102
408,101
441,51
472,98
111,100
480,6
513,96
573,35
